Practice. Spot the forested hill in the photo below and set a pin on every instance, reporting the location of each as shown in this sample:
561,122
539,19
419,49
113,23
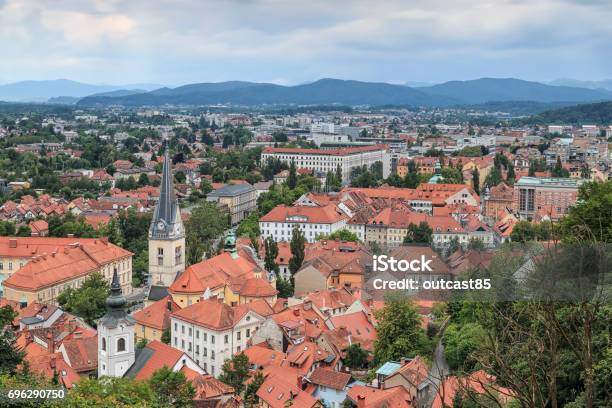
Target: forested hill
587,114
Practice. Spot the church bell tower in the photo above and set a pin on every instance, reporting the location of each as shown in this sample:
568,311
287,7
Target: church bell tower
166,233
116,352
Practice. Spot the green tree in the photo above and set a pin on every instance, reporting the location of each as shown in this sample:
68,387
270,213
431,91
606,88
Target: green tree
355,356
204,225
476,244
292,178
172,388
297,246
250,394
110,392
460,341
558,170
591,217
235,371
493,178
270,254
476,180
166,335
10,355
511,175
87,301
341,235
421,233
399,332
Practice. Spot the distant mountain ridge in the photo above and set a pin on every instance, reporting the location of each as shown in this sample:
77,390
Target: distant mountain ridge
347,92
603,84
587,114
322,92
42,91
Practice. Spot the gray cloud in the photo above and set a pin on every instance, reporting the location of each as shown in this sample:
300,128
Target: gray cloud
182,41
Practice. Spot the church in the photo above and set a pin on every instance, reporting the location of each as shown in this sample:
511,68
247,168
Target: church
166,233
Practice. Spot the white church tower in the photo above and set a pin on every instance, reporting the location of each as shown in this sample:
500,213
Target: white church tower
116,347
166,233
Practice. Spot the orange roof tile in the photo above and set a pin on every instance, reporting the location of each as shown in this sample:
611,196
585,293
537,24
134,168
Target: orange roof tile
156,315
64,264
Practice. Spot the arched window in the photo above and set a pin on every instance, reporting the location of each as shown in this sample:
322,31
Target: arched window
121,344
103,344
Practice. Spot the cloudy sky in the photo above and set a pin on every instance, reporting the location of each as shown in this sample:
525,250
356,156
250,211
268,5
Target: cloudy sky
288,42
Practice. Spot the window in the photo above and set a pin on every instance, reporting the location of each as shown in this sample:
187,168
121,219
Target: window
205,352
238,336
212,354
121,344
103,344
190,331
183,344
197,349
212,339
197,334
226,339
175,326
248,333
182,328
175,341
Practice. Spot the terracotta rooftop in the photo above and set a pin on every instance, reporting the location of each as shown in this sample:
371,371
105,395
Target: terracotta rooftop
330,378
63,264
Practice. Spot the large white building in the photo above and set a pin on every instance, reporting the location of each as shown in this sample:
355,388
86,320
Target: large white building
328,160
211,331
312,221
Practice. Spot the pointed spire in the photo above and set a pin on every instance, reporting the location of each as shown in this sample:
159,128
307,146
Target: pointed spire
165,215
167,197
116,300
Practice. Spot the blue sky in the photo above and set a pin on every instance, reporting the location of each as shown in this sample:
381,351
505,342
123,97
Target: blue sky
289,42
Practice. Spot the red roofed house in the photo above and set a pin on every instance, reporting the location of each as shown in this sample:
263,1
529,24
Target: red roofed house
368,397
332,264
156,355
153,319
281,220
211,331
39,228
276,392
58,263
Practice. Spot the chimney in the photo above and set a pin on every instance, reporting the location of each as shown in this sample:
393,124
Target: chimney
104,240
299,381
169,303
403,361
13,243
70,235
361,401
50,343
308,305
53,362
296,312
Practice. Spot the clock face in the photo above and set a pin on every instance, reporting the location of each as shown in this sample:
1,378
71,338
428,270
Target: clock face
160,225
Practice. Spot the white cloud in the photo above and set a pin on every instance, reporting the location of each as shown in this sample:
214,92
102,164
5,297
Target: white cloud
191,40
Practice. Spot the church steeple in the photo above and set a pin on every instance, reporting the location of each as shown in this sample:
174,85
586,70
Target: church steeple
166,233
166,222
115,334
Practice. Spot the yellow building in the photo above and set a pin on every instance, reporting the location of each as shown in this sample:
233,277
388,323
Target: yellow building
153,319
59,267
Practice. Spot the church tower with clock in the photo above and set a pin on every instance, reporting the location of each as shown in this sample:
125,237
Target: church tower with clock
166,233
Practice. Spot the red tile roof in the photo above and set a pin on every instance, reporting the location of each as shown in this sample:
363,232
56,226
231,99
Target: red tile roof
64,264
277,393
346,151
163,355
368,397
330,378
315,215
213,314
157,315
